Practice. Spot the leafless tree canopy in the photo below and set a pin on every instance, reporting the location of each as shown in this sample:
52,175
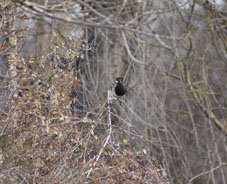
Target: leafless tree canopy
60,121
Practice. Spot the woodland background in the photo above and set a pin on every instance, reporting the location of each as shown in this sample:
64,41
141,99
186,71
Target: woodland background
60,121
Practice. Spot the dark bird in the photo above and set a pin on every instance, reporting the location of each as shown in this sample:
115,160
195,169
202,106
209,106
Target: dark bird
120,90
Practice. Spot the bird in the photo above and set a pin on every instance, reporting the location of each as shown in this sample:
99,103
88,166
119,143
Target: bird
120,89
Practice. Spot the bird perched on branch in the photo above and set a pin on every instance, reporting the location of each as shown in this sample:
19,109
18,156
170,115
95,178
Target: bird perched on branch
120,89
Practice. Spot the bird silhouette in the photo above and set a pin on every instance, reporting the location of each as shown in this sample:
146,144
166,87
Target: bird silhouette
120,89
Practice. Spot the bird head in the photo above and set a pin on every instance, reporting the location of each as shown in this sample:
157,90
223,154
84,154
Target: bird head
119,80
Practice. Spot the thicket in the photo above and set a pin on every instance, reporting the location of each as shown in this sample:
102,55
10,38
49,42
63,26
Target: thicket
60,121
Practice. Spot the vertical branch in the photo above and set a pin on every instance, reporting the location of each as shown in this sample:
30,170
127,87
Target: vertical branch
208,112
109,134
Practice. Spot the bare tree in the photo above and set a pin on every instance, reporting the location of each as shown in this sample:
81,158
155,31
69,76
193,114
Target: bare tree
172,56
